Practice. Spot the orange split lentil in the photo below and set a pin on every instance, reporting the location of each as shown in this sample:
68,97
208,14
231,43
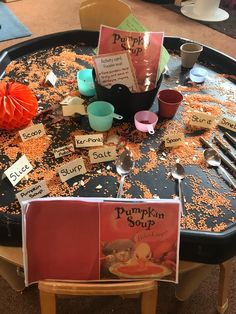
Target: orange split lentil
205,203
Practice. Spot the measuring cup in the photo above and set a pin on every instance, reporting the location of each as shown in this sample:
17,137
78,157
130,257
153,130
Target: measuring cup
101,114
85,82
145,121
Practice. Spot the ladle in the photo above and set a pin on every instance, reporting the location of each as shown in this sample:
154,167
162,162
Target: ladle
124,165
214,160
178,173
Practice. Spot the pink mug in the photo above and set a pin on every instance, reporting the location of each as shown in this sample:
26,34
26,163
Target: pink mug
145,121
169,101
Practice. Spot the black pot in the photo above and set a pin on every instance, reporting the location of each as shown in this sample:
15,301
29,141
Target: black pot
125,102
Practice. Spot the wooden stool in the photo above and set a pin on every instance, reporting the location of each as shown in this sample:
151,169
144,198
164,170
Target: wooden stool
49,289
11,260
93,13
191,275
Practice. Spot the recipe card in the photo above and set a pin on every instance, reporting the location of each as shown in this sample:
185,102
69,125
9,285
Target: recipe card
130,23
115,68
144,49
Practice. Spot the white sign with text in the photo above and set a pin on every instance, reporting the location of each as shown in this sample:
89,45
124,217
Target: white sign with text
89,140
18,170
70,110
172,140
228,123
31,132
72,169
202,120
37,190
63,150
102,154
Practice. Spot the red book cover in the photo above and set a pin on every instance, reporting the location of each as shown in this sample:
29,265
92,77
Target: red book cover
139,240
143,47
100,239
61,240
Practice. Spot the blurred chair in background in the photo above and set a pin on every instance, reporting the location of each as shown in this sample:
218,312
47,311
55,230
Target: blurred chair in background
93,13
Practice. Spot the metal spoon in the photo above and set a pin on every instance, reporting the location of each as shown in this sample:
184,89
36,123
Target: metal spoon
124,165
213,159
178,173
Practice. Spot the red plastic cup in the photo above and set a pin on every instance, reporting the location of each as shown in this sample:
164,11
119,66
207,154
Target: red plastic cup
169,101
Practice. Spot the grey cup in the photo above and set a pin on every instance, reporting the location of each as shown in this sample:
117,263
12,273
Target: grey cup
189,53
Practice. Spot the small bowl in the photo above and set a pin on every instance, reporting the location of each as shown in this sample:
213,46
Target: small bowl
198,75
145,121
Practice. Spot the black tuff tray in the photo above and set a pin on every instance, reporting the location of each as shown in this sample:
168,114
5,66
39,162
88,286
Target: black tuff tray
195,245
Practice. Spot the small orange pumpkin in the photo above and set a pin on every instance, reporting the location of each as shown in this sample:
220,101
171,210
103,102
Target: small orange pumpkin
18,105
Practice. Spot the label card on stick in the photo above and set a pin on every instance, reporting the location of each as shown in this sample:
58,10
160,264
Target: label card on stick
202,120
34,131
115,68
63,150
228,123
72,100
132,24
18,170
172,140
102,154
76,101
51,79
37,190
89,140
72,169
66,100
69,110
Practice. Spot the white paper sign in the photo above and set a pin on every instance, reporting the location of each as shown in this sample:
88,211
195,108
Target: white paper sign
72,169
51,79
76,101
66,100
37,190
69,110
88,140
63,150
72,100
102,154
202,120
228,123
115,68
18,170
34,131
172,140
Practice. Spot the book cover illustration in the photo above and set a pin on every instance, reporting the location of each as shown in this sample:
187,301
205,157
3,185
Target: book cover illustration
143,47
139,240
130,23
100,239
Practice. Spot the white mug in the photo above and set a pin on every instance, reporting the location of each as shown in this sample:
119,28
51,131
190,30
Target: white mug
206,8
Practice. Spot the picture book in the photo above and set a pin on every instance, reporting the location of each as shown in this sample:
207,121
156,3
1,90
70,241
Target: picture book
143,47
100,239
